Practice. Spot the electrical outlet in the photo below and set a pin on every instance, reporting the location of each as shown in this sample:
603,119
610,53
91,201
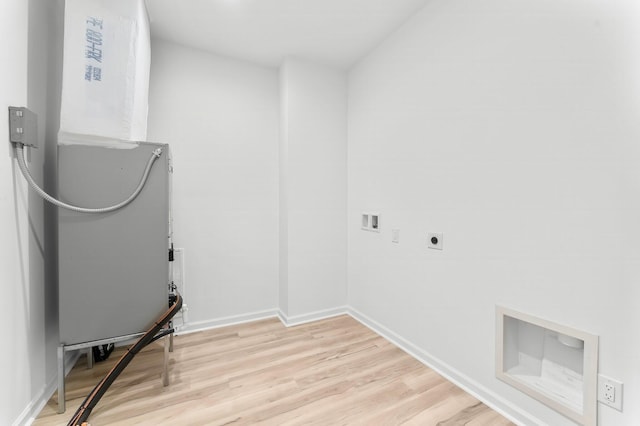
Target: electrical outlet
610,392
435,240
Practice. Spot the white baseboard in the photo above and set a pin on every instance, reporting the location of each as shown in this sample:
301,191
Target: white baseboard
464,382
292,321
288,321
29,414
193,327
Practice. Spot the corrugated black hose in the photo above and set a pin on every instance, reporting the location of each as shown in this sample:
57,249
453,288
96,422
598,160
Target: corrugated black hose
84,411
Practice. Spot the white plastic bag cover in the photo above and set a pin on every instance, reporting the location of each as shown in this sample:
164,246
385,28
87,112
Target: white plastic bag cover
105,80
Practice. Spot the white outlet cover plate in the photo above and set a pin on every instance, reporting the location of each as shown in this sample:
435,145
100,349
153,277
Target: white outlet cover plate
439,238
617,386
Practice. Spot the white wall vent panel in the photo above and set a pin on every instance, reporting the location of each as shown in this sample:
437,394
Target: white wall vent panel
555,364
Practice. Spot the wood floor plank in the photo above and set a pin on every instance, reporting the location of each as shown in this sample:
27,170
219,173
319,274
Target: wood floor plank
330,372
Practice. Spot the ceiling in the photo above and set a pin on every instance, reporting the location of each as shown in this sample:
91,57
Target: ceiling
332,32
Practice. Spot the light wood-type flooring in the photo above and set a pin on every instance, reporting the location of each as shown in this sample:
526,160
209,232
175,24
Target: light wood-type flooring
329,372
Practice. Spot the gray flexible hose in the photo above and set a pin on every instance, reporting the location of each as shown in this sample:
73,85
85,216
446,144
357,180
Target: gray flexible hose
27,175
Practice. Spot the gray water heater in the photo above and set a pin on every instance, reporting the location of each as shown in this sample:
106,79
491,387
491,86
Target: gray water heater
113,267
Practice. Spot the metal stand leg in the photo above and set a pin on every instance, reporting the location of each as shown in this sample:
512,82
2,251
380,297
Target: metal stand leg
61,401
165,374
89,358
63,349
171,342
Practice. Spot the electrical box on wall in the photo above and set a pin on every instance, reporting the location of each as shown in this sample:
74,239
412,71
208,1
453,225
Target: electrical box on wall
23,126
178,269
555,364
370,222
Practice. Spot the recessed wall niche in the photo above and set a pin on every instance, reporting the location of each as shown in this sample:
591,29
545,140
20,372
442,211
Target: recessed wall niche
370,222
553,363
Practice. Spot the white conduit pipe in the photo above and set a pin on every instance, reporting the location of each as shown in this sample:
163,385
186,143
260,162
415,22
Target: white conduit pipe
27,175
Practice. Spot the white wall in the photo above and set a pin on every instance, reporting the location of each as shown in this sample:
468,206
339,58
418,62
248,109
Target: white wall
512,127
32,32
312,189
220,117
14,252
